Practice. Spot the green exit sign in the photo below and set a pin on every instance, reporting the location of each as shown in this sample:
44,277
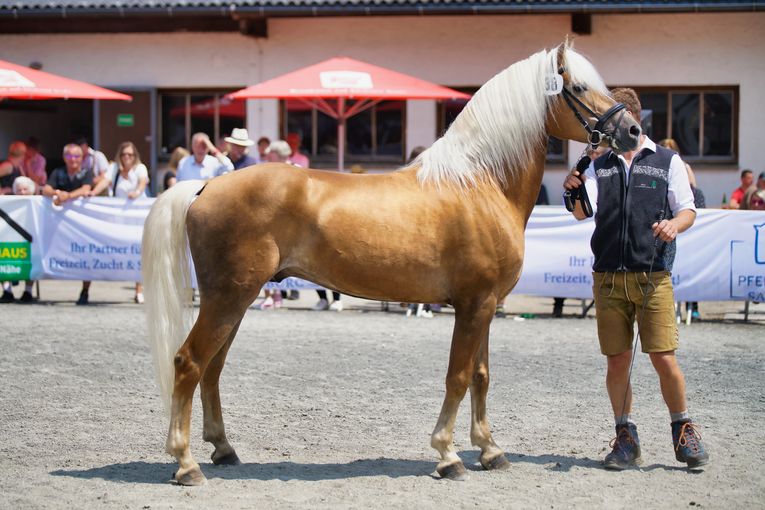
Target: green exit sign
125,120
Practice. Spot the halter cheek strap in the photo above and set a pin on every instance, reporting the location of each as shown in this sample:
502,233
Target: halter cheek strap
597,134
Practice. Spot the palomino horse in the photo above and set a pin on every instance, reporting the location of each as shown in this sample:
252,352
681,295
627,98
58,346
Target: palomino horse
472,193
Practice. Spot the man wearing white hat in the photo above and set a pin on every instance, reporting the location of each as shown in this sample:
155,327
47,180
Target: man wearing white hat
239,144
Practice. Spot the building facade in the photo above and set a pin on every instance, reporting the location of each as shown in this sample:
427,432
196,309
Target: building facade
700,74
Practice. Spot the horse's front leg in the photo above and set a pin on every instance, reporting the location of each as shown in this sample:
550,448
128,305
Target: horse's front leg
471,326
213,430
492,456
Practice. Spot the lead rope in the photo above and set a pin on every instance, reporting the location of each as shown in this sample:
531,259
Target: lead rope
656,243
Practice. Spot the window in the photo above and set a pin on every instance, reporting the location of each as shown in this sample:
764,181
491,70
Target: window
374,135
702,121
185,113
448,111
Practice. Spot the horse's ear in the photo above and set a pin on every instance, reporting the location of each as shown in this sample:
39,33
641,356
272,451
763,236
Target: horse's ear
561,58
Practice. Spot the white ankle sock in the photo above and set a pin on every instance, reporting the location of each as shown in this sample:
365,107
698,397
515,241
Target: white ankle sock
624,419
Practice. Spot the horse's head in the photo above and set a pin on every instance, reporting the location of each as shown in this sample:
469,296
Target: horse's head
582,108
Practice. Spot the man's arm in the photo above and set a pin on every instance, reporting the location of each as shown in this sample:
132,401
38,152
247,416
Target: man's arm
48,190
61,196
82,191
680,202
225,164
101,182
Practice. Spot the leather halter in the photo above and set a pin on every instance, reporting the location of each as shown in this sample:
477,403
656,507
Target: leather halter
597,134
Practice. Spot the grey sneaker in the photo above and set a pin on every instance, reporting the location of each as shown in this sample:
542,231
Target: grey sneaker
688,447
626,448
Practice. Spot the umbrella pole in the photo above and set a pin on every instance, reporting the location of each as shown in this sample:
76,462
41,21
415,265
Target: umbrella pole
340,134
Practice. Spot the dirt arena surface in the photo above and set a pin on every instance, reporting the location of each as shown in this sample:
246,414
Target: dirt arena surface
335,410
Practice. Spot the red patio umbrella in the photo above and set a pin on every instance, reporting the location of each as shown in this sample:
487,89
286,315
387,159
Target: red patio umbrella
19,82
343,78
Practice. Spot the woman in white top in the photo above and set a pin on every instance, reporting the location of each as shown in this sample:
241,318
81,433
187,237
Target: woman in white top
127,178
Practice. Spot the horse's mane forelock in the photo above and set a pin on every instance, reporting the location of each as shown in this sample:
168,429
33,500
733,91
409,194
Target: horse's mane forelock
503,125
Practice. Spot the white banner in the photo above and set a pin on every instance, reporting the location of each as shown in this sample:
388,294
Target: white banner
722,257
94,239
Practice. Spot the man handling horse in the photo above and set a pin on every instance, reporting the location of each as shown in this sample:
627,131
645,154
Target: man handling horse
643,201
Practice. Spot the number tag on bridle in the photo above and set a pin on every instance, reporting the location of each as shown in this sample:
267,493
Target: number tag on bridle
553,84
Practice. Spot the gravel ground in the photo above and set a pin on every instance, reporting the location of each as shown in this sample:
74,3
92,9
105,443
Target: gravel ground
331,410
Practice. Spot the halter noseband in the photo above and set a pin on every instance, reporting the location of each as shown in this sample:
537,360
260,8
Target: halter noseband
596,134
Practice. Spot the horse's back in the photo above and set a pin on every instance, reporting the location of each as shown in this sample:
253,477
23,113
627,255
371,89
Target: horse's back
373,236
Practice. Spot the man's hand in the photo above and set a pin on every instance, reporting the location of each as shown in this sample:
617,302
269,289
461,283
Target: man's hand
573,180
665,230
60,197
212,149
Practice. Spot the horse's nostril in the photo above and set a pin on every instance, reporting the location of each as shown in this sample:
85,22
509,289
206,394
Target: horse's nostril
635,131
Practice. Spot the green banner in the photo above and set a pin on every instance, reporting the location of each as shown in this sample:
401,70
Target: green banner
15,261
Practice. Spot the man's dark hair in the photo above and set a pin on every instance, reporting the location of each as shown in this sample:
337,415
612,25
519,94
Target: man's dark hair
33,142
744,172
629,98
81,140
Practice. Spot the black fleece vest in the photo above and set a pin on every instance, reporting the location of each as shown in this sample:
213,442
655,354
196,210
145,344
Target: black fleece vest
623,239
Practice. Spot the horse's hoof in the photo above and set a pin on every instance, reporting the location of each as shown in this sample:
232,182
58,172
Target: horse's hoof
190,477
456,472
230,459
498,463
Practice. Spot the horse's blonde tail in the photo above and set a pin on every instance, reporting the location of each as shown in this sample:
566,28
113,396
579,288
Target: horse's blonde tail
167,280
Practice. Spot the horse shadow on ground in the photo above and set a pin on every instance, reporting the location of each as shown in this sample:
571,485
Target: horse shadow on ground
162,472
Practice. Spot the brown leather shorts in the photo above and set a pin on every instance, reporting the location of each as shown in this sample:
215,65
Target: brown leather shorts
619,302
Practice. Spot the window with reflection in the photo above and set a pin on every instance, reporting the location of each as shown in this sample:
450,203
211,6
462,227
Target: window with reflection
448,111
701,120
375,134
184,113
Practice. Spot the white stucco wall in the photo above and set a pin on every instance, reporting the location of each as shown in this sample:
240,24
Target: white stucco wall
655,49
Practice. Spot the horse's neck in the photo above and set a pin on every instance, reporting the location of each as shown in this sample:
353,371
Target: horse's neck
523,190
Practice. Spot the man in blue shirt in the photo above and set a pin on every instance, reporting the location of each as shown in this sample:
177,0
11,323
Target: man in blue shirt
204,162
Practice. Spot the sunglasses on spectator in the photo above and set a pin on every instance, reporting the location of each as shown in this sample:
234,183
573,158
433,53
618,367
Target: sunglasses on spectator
131,154
73,156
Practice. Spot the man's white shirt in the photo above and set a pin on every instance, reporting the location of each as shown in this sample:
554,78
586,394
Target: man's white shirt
679,194
189,169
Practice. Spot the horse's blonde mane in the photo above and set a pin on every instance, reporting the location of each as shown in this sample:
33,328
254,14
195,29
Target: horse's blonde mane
503,125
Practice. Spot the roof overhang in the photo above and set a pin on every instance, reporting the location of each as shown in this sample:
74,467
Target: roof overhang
249,16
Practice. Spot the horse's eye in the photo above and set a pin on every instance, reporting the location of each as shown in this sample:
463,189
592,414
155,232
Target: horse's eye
578,89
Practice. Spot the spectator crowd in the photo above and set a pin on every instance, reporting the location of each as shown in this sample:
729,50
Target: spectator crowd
87,172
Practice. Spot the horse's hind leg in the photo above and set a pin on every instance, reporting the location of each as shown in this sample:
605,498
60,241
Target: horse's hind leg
213,430
471,327
208,336
492,456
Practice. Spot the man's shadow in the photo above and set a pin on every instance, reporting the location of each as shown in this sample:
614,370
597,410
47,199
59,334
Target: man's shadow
550,461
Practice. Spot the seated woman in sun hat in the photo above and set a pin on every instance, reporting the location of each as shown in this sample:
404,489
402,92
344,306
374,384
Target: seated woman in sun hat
239,144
